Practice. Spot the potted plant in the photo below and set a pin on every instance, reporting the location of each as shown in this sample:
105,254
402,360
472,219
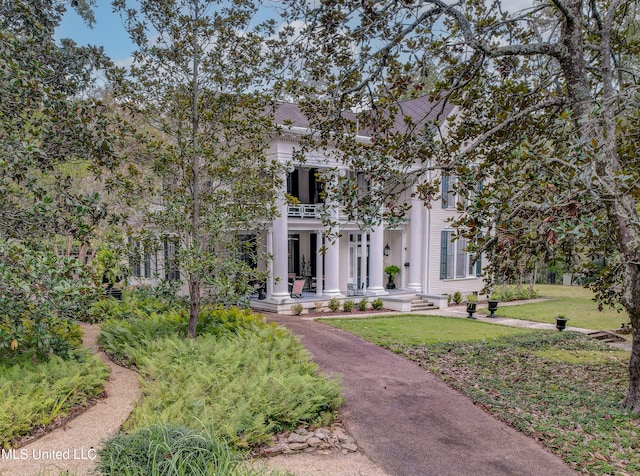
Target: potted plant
112,272
472,303
392,271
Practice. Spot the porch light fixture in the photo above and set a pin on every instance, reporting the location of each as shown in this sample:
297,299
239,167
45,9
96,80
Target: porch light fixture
387,250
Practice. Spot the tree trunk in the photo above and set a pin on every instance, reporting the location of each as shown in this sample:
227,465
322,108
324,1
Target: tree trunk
600,134
631,301
194,305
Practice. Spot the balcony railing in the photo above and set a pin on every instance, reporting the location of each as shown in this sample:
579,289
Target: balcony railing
303,211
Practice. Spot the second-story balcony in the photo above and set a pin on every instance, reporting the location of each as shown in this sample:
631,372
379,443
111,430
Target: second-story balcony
304,210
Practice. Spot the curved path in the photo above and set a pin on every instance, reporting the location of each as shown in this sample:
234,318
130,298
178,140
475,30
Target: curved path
71,447
411,423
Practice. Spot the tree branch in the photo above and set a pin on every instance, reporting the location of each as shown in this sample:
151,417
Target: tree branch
508,122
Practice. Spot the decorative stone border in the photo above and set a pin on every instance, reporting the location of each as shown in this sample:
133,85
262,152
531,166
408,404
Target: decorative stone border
311,439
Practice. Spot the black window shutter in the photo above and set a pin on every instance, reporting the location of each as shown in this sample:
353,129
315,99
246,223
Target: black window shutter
444,243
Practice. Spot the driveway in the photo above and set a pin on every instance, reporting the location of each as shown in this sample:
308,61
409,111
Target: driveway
408,421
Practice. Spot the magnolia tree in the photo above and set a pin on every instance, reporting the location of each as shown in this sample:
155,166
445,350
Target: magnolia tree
50,128
546,111
201,79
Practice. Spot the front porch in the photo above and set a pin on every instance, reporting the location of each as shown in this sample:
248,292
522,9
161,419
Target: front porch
402,300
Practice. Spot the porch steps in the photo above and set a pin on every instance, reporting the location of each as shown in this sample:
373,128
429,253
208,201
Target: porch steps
421,304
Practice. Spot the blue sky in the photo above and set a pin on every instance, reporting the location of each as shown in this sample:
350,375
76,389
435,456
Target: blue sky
108,32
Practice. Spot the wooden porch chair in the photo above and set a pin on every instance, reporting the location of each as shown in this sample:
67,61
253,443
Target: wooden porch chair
298,286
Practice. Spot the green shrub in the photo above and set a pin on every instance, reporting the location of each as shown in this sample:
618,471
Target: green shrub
166,450
241,387
35,394
348,305
297,309
119,338
511,293
40,293
334,304
457,297
377,304
133,304
362,305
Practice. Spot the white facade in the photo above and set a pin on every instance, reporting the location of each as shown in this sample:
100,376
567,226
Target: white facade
356,260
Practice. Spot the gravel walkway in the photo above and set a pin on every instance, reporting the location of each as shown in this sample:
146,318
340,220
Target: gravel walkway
72,447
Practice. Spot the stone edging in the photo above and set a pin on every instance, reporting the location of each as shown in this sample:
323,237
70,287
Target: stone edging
311,440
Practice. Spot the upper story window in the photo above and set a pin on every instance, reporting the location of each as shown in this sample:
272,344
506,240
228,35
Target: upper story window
449,195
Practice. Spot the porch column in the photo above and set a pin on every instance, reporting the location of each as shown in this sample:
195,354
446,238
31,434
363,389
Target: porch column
415,245
376,260
332,260
270,274
319,269
280,237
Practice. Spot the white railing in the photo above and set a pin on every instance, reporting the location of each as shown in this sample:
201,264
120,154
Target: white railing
303,211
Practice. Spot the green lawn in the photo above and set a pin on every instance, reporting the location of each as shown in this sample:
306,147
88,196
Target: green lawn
421,329
574,302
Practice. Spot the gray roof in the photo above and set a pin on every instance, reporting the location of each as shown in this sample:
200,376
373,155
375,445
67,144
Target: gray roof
421,110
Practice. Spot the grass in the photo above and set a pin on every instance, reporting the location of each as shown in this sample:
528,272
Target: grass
34,395
573,302
169,450
420,329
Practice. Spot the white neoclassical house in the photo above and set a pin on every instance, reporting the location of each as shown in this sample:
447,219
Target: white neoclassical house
430,263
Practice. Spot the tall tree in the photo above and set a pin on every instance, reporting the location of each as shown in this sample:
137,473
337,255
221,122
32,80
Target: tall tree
201,78
49,124
50,127
547,116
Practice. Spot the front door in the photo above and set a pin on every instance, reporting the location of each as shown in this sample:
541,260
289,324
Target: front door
358,259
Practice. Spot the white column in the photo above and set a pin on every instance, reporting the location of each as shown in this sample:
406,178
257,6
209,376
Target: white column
332,261
319,268
270,263
415,245
376,268
280,236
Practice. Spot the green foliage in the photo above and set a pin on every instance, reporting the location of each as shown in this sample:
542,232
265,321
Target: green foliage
212,102
563,389
49,124
472,298
109,267
362,304
40,293
334,304
392,270
348,305
118,337
166,449
36,394
242,379
377,304
297,309
514,293
133,304
457,297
